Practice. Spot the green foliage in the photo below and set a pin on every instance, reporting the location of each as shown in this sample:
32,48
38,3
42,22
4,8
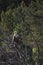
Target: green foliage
28,21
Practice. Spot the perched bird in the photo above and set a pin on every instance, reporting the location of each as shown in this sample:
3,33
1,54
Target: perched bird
15,37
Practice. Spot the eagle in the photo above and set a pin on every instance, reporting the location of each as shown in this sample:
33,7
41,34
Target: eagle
15,37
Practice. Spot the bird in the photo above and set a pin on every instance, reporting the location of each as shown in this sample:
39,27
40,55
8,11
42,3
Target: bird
15,37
